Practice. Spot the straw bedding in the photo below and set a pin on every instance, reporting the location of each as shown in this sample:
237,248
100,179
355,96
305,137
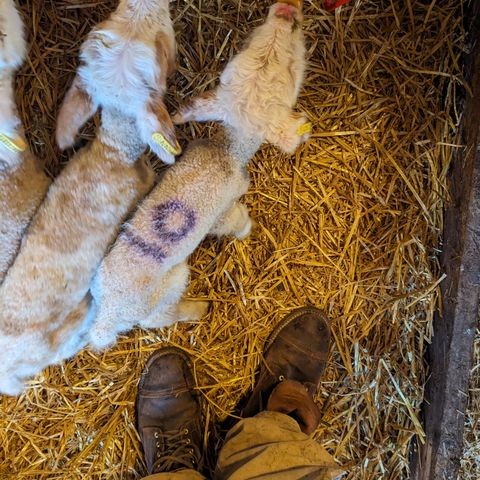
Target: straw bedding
351,223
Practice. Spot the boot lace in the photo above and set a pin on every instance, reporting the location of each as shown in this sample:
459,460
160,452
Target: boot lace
175,450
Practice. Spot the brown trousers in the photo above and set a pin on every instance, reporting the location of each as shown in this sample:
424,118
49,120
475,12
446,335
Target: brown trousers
269,446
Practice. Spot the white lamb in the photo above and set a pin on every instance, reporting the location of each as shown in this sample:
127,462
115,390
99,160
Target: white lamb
260,85
125,64
143,279
22,181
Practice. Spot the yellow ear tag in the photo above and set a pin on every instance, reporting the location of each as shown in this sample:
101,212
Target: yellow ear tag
13,144
305,128
157,137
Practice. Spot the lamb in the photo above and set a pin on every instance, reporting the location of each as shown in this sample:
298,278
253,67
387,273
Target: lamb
23,183
143,278
125,64
45,306
260,85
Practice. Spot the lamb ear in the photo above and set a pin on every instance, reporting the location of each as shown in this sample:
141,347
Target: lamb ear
157,130
203,108
76,109
165,56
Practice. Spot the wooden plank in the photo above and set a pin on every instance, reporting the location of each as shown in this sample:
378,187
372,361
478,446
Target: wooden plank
450,355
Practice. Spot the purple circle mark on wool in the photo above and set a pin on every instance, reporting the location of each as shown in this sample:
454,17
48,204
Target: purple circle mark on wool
142,247
173,220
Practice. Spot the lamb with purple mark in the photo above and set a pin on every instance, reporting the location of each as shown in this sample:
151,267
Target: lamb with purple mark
144,277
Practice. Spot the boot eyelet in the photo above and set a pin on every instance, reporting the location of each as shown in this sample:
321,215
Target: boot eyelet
281,378
186,432
187,441
155,434
157,444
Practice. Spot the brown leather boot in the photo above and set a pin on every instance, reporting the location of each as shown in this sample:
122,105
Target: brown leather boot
169,413
297,351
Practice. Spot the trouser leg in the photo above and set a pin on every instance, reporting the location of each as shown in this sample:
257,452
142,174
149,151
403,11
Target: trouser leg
271,446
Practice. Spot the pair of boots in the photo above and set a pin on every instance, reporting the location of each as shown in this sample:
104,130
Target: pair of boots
169,410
